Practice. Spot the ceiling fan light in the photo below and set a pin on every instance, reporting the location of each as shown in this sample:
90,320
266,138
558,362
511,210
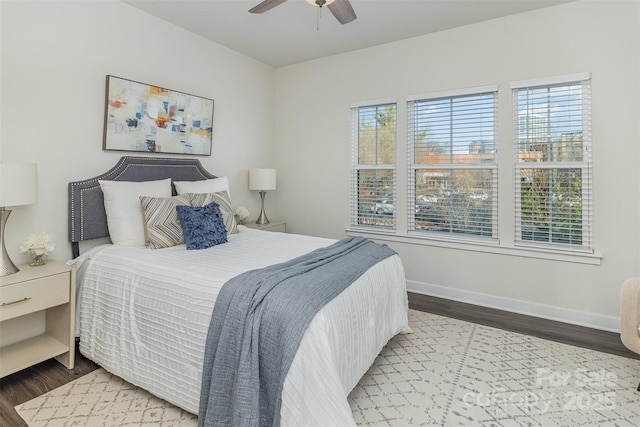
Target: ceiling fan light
313,2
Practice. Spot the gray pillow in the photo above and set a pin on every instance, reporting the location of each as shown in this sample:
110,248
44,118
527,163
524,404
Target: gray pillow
223,201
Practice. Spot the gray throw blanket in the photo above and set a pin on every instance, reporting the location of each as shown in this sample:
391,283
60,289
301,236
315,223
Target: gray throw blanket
258,322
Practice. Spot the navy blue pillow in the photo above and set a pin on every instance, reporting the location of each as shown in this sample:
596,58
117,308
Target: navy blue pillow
203,226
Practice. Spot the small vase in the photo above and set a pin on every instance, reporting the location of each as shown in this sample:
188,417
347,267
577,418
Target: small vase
37,257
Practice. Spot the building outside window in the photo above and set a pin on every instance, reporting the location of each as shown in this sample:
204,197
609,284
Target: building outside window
552,156
452,156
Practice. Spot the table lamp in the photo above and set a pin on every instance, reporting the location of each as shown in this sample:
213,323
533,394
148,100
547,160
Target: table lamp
262,180
18,186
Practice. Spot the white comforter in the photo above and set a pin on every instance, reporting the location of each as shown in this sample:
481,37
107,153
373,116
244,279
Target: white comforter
143,315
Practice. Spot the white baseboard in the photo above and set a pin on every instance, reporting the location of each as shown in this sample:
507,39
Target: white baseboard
590,320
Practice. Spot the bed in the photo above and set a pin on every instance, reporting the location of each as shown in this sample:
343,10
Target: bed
143,314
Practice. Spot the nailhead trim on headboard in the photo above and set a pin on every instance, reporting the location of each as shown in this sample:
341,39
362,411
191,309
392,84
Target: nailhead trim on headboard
87,217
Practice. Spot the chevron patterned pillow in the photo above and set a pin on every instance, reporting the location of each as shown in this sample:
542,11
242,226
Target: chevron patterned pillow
162,226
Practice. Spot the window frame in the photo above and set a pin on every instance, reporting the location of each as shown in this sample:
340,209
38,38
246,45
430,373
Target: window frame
505,244
355,215
550,166
453,166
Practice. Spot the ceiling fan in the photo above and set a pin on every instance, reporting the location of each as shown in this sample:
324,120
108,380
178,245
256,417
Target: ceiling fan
341,9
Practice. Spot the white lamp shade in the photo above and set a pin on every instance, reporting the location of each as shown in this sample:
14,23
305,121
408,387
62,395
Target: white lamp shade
18,184
262,179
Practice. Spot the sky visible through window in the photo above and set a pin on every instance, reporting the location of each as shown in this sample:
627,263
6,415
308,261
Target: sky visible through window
454,124
459,122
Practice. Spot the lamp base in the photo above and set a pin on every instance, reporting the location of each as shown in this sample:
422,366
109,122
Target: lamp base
262,218
7,266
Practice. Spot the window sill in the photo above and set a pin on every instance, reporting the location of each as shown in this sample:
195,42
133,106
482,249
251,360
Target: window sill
476,246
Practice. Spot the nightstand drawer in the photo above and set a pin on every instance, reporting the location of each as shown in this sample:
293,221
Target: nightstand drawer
33,295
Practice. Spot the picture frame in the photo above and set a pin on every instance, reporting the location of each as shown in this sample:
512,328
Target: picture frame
147,118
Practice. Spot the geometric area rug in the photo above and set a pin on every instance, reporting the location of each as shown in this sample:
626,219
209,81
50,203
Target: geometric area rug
101,399
450,372
446,372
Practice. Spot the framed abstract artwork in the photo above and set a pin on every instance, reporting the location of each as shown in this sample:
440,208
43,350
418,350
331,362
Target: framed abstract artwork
146,118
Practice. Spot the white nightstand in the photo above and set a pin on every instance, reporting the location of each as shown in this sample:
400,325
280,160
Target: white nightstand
37,316
280,226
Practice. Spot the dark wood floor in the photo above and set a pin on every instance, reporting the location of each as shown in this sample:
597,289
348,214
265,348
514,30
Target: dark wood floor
32,382
39,379
580,336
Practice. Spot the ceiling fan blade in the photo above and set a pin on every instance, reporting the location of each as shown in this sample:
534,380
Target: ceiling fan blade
343,11
266,5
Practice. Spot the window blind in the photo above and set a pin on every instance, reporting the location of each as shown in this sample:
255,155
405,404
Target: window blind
453,174
373,185
552,149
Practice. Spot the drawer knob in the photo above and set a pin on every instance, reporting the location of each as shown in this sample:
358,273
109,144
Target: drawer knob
16,301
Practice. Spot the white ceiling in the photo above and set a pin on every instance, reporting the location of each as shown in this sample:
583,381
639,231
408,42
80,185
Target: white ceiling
288,34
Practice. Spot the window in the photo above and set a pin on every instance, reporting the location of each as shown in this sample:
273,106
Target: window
552,138
453,175
374,165
448,192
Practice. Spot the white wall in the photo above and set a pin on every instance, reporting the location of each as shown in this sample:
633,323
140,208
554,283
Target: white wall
603,38
55,55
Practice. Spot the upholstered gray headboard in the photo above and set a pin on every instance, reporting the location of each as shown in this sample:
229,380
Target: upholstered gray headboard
87,217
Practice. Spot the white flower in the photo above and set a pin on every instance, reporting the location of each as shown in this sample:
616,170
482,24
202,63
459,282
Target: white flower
41,242
242,212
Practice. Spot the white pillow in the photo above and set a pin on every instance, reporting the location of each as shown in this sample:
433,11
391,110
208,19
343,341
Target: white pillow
125,217
215,185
